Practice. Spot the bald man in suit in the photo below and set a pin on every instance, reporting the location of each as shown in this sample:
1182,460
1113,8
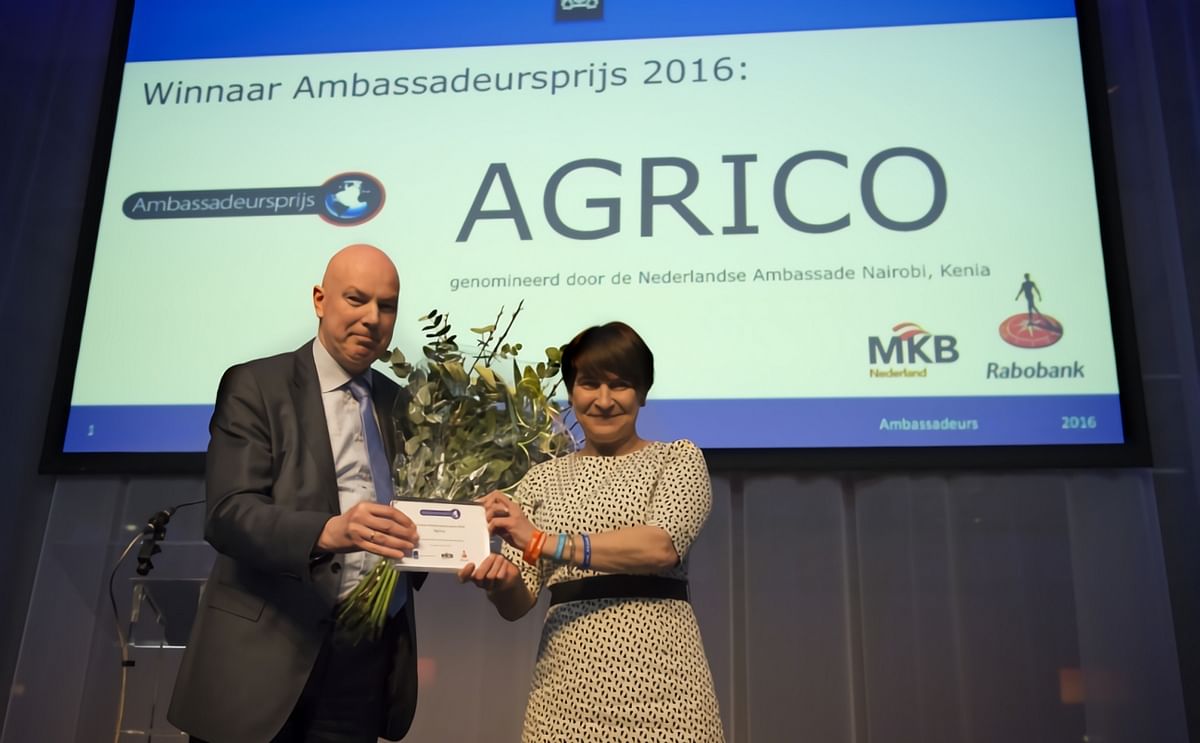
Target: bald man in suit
297,512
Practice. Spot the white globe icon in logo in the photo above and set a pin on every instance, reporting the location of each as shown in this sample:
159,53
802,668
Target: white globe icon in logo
345,200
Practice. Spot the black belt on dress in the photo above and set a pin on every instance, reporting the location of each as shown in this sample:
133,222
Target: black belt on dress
619,587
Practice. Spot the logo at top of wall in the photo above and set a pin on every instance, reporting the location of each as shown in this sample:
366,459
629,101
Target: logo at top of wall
578,10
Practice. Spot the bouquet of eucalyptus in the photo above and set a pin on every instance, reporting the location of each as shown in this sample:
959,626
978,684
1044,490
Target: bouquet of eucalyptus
463,431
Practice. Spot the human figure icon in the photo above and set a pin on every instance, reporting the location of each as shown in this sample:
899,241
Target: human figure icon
1029,289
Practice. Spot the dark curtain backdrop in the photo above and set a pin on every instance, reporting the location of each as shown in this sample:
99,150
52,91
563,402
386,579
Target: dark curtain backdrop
1152,52
53,55
52,58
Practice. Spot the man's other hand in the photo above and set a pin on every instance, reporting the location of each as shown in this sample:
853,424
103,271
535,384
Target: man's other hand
368,526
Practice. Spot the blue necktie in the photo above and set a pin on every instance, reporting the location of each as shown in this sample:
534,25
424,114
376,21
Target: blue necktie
381,473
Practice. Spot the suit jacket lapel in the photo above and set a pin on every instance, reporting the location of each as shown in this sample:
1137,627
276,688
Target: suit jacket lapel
310,414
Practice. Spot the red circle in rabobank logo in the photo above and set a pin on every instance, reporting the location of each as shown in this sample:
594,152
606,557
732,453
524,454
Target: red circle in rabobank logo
1028,330
349,199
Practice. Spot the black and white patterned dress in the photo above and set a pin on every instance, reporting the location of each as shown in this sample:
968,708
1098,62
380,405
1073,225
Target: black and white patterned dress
619,669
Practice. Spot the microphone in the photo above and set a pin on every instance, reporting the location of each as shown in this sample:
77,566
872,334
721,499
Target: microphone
154,532
149,549
157,523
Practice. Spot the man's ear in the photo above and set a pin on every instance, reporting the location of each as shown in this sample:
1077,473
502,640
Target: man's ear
319,300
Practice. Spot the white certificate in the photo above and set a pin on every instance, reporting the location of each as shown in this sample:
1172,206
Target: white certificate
450,534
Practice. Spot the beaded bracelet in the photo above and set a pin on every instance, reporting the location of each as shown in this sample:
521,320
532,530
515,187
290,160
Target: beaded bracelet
533,550
558,549
587,551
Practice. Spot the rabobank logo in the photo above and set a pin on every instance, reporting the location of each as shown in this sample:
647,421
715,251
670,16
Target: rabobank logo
1031,328
909,346
346,199
578,10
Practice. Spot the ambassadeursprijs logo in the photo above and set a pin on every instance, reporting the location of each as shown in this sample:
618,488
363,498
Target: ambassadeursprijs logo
346,199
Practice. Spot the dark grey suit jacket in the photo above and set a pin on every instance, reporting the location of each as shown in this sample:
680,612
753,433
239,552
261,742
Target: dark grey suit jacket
267,606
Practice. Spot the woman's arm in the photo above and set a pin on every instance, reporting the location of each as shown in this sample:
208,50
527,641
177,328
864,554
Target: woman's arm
634,549
675,514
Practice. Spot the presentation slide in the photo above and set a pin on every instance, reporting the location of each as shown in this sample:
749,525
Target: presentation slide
851,224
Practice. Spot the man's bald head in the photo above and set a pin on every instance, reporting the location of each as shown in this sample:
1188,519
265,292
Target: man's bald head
356,306
360,256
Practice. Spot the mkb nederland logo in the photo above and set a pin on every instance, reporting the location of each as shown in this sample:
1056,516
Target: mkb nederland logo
578,10
909,345
347,199
1032,328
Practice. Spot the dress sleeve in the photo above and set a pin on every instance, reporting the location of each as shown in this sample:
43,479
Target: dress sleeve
529,498
682,497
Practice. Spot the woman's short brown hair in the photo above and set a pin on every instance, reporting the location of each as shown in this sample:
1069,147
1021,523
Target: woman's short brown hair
610,349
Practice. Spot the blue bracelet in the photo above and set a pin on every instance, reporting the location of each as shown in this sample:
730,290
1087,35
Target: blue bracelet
587,552
558,550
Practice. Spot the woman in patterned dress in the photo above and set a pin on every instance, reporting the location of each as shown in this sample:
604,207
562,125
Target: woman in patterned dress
607,530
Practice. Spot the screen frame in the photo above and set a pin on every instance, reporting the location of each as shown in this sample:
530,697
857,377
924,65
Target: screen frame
1135,452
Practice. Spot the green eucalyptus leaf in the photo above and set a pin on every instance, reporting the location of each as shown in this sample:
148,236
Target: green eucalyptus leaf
416,413
497,466
487,376
456,373
411,446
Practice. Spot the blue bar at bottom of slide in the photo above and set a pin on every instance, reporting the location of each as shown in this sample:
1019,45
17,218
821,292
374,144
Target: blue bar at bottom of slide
887,421
137,428
717,424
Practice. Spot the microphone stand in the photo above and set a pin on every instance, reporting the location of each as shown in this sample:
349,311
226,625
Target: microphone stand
152,533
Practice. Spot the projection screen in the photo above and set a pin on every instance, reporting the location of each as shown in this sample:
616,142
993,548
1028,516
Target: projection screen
847,228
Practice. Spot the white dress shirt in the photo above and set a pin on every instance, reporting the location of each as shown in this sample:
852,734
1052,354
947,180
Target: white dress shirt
350,463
